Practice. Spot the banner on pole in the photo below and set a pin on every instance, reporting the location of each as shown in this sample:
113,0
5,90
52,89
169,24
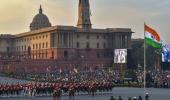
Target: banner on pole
120,56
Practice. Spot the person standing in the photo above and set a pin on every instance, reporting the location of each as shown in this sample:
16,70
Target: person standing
134,98
140,98
54,95
130,98
111,98
147,96
120,98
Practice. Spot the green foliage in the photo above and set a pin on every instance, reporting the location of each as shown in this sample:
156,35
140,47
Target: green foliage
150,57
130,74
138,55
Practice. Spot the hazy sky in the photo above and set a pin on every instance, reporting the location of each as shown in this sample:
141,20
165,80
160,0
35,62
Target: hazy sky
16,15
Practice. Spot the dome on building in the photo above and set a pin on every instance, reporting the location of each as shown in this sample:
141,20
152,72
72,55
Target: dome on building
40,21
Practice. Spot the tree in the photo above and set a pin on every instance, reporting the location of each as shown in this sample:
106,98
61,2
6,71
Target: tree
138,55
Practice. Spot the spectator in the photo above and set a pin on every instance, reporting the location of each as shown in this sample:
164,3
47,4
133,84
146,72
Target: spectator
120,98
111,98
130,98
147,96
134,98
140,98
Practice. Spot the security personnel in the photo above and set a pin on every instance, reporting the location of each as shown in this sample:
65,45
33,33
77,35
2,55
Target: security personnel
120,98
147,96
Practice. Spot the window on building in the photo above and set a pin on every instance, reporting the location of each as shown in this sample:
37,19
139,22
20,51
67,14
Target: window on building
25,47
65,54
29,51
86,20
39,37
32,56
78,45
22,48
87,45
52,57
104,45
97,45
40,46
42,55
78,36
17,48
88,36
7,41
36,46
46,54
46,44
7,48
33,46
46,36
104,36
98,55
52,40
97,36
43,45
39,55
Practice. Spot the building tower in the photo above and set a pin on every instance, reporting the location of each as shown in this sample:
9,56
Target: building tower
40,21
84,15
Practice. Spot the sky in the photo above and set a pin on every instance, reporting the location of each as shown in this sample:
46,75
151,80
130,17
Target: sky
16,15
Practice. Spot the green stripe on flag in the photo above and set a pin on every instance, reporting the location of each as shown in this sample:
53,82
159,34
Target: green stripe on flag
153,43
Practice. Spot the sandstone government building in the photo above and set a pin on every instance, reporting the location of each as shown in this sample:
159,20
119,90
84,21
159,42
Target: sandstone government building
46,46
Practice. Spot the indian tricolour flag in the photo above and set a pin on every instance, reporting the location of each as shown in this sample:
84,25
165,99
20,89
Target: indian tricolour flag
152,37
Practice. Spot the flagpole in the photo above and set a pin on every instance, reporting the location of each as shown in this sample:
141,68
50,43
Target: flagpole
144,62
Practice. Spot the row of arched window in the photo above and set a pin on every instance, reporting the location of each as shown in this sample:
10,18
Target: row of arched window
32,38
35,46
88,45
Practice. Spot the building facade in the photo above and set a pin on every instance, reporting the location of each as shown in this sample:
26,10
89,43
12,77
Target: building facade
66,45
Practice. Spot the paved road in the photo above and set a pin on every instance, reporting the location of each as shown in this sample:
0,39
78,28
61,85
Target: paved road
155,94
82,97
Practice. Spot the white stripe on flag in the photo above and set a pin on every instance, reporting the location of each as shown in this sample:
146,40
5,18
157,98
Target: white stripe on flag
150,36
